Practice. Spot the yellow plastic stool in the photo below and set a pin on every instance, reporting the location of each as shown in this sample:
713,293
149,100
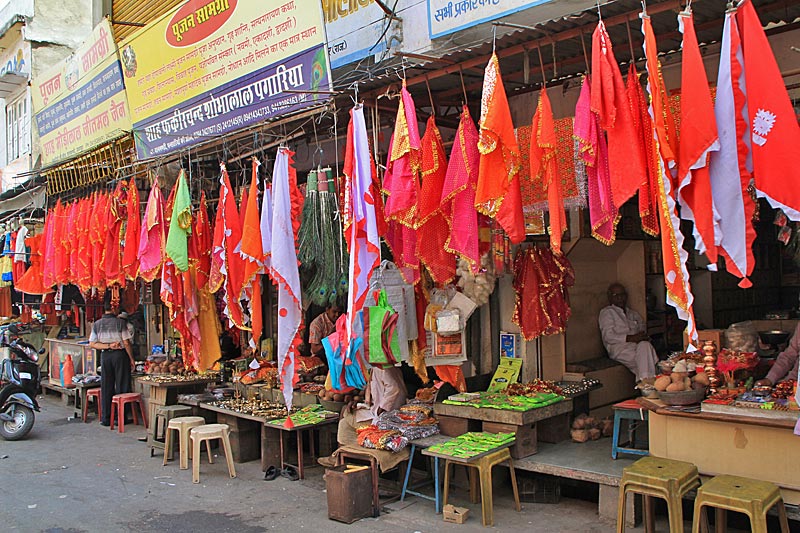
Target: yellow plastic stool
732,493
660,478
183,425
484,466
208,433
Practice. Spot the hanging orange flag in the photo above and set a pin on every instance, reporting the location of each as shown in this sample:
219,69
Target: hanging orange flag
648,191
698,139
130,259
252,256
610,102
497,194
544,167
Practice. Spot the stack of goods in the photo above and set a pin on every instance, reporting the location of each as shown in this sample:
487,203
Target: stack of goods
353,395
426,395
680,379
414,420
491,400
779,398
309,368
253,407
374,438
311,388
586,428
85,379
472,444
166,366
573,388
187,375
307,416
533,388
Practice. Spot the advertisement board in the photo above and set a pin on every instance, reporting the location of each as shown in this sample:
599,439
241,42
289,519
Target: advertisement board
211,67
449,16
80,103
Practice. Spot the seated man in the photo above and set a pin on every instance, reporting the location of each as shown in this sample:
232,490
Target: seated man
786,364
321,327
623,334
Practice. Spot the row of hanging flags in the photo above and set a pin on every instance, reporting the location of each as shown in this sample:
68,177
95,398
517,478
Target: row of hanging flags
624,143
729,151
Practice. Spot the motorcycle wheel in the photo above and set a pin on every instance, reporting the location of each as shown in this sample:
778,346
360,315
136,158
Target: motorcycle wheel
21,425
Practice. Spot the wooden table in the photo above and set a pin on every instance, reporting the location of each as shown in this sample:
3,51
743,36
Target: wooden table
309,428
741,445
522,423
423,444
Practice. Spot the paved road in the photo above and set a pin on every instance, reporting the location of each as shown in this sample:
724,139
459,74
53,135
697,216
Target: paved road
72,477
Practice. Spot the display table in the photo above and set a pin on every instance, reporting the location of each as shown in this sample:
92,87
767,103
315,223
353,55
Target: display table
156,394
279,431
741,445
244,431
552,419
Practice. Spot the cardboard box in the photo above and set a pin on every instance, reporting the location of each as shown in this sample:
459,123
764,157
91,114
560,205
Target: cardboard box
716,335
455,515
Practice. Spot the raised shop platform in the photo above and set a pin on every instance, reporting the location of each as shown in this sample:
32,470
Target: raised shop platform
588,461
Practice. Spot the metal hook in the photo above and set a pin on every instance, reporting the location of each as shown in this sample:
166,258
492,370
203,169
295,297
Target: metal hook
430,96
463,87
494,38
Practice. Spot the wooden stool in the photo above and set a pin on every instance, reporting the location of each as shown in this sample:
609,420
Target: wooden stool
342,454
208,433
183,425
632,411
93,393
118,403
484,466
165,413
662,478
732,493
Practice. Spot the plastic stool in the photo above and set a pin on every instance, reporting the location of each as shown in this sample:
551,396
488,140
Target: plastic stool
732,493
165,413
183,425
628,410
484,466
208,433
93,393
662,478
118,403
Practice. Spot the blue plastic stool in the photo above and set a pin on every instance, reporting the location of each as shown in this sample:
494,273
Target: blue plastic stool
627,410
422,444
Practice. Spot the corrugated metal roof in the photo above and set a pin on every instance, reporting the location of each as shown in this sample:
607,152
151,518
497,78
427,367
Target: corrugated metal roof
136,12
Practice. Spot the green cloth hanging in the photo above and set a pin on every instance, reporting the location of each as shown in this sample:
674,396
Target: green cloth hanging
382,345
180,226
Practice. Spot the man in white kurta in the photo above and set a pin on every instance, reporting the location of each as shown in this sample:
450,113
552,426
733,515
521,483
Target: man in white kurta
624,337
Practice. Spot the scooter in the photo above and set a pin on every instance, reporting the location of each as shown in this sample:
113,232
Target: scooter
20,380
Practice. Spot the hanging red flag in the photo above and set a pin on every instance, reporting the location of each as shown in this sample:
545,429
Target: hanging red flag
544,167
497,193
610,102
774,131
433,230
648,192
698,139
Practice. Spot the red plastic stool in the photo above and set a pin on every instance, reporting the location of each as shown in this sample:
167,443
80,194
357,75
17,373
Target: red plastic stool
118,408
93,393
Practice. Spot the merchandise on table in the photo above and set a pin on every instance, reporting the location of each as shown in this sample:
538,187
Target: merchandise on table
533,388
472,444
496,400
381,439
573,388
85,379
413,420
311,388
259,408
179,378
307,416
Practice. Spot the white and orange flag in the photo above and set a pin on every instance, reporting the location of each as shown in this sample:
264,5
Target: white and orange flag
360,226
698,139
774,131
285,274
729,176
676,277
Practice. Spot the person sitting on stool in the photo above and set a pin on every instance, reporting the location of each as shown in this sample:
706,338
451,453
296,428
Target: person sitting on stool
112,337
624,337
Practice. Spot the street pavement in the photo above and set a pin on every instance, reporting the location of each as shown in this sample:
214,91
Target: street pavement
68,476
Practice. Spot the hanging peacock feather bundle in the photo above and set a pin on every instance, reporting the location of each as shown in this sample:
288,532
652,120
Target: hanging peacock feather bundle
309,244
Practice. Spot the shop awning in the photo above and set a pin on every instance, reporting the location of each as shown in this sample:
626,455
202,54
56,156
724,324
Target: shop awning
24,200
10,82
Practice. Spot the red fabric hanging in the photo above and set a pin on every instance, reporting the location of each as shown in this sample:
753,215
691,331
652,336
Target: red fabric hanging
544,167
648,193
117,210
433,229
130,255
610,102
